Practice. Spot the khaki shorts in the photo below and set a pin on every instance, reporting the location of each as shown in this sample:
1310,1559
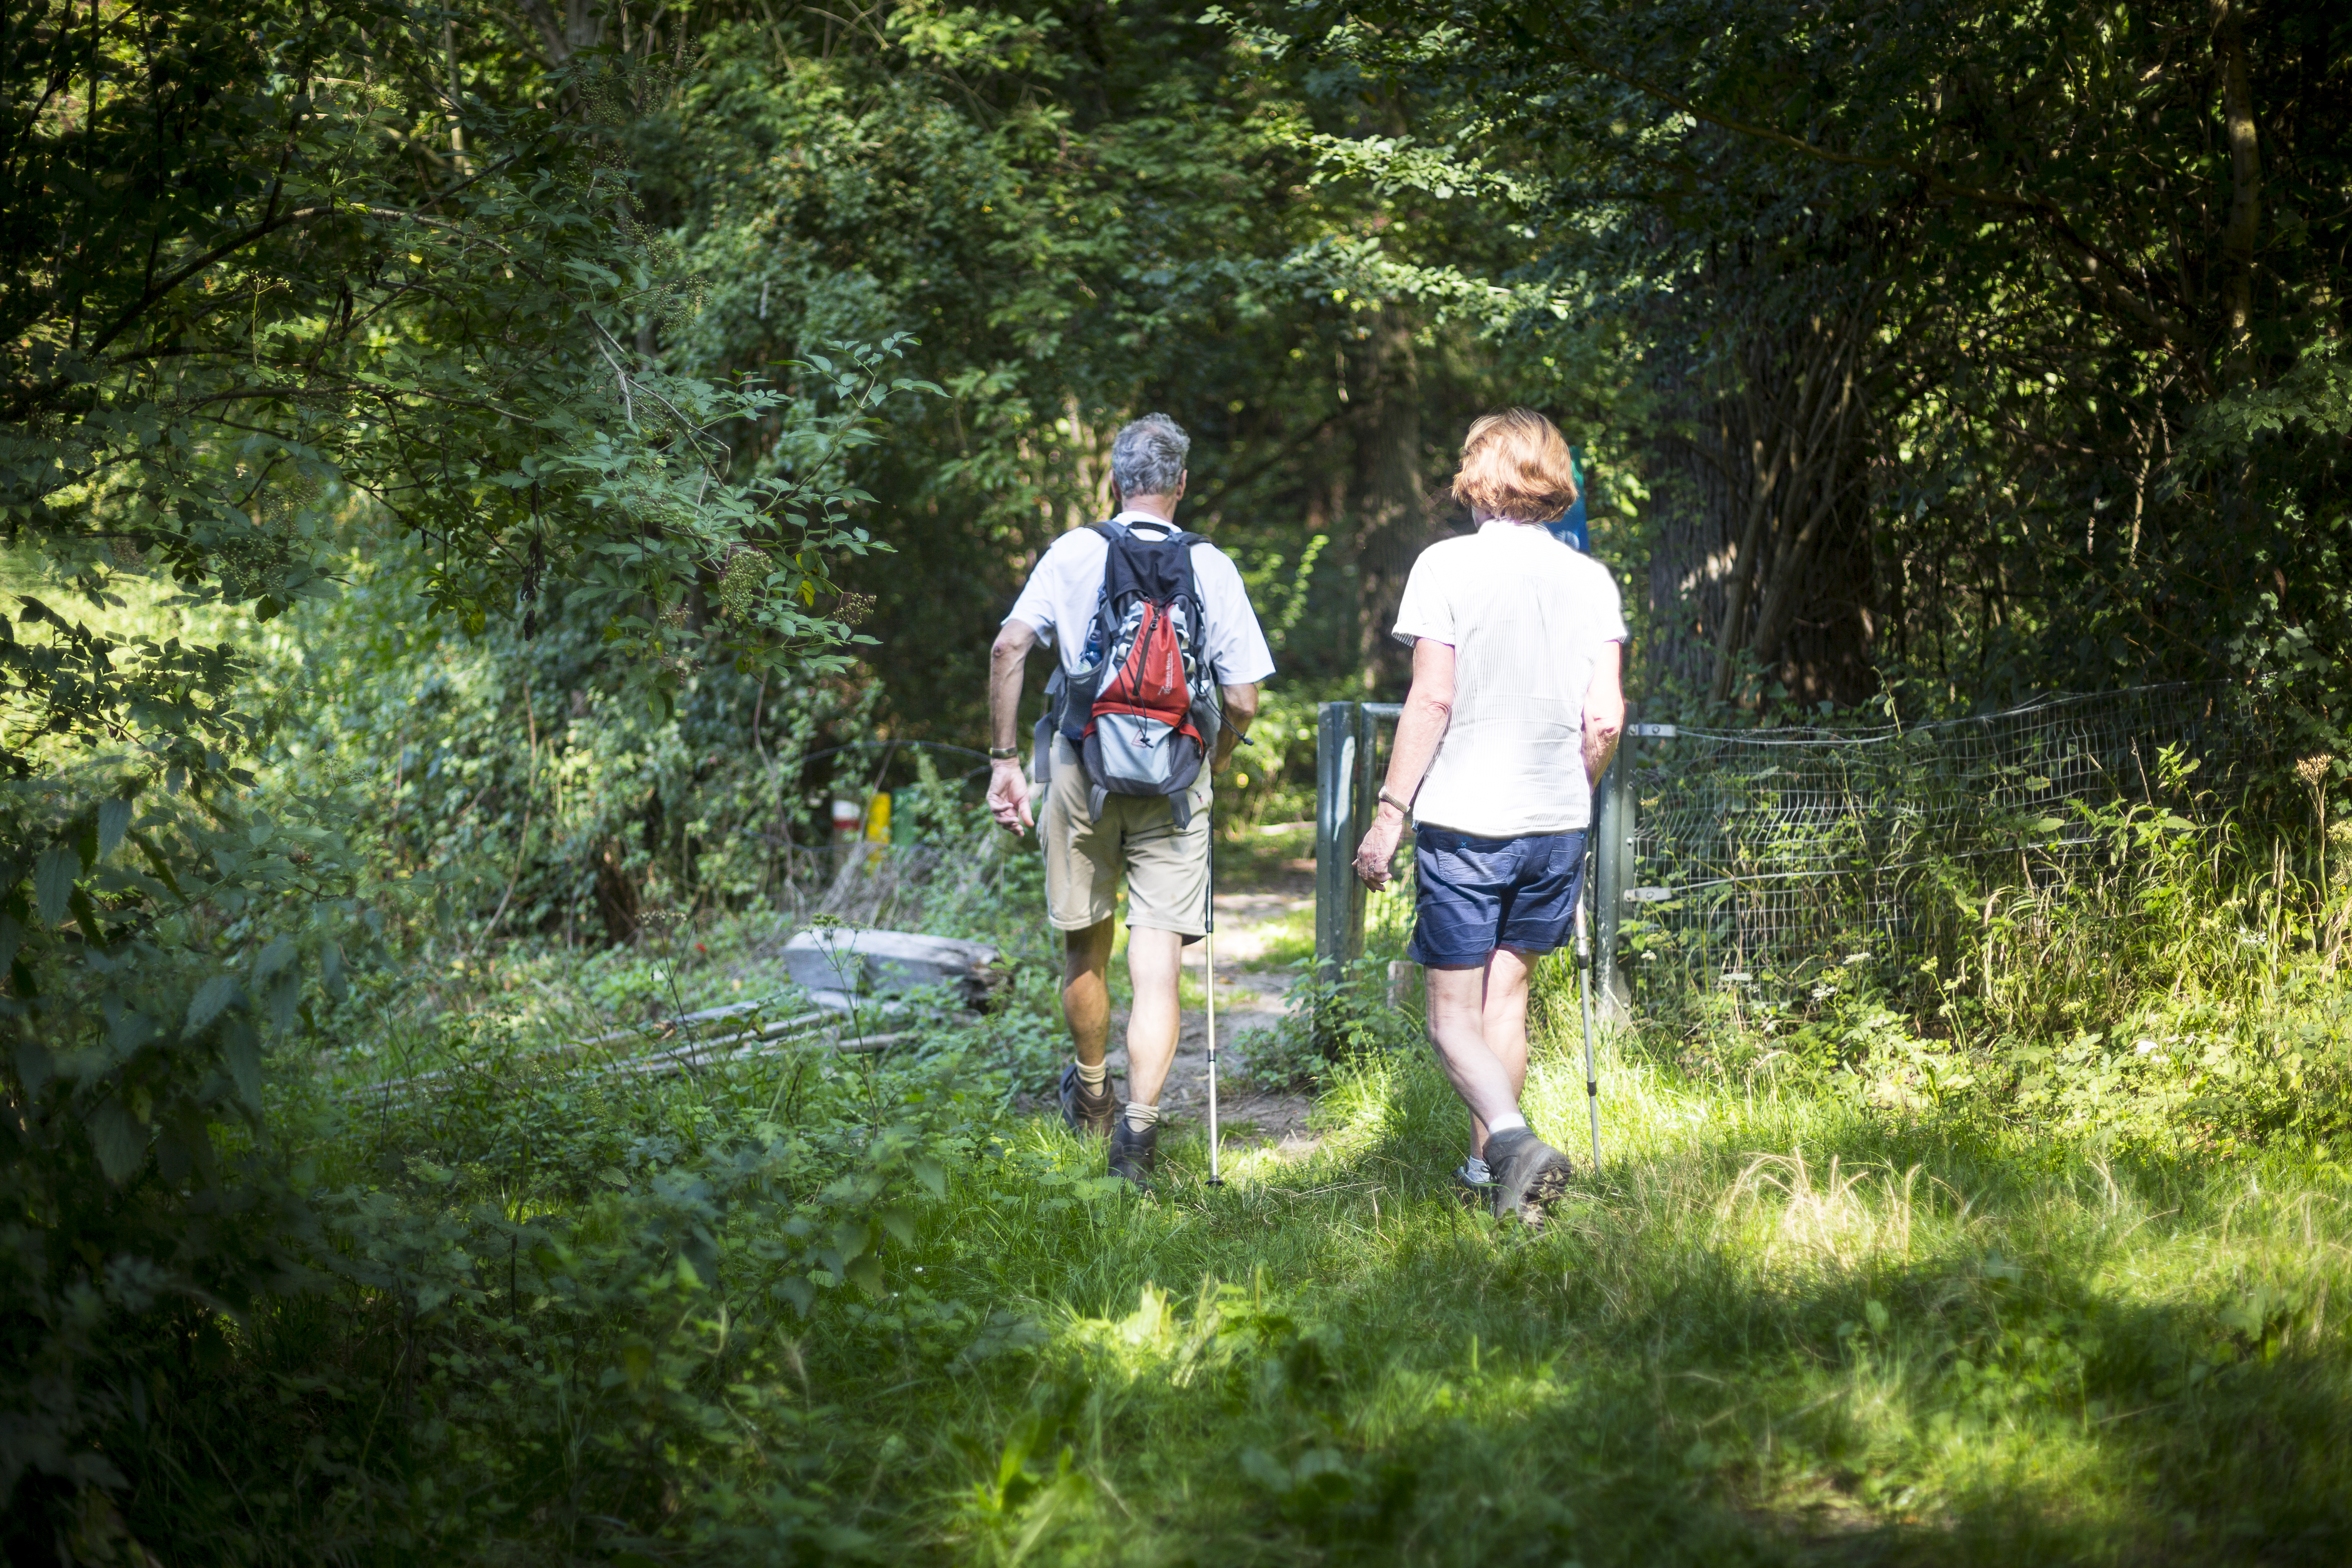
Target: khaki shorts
1167,869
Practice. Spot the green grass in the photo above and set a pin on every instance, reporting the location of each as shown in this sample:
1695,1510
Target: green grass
1771,1330
1854,1283
1250,855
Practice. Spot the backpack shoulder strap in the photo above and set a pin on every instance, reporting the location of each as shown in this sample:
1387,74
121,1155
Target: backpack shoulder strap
1111,535
1078,693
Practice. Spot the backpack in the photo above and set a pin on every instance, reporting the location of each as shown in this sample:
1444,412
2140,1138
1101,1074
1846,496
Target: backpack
1142,712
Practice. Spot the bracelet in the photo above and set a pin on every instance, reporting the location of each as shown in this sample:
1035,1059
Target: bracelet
1388,799
1003,754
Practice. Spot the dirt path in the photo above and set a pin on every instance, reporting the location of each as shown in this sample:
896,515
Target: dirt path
1250,1001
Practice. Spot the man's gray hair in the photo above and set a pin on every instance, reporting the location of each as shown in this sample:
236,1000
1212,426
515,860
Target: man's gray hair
1146,458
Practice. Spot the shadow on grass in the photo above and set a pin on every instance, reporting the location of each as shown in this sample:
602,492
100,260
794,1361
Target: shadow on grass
1800,1336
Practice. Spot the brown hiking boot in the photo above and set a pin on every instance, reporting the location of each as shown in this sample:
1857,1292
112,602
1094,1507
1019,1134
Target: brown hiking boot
1086,1110
1133,1153
1529,1173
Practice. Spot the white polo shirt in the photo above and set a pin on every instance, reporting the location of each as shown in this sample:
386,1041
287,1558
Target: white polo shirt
1525,616
1058,602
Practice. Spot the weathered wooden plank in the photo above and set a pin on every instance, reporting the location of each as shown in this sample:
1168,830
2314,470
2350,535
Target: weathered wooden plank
865,961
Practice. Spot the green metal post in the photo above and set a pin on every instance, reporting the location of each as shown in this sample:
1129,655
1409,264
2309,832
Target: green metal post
1338,824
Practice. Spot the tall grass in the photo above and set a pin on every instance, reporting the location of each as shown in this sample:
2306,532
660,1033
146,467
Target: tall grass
1770,1326
1850,1284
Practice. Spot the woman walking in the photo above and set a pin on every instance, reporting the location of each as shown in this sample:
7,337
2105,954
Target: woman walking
1515,710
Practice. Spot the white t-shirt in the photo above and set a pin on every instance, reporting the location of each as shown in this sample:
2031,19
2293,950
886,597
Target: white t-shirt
1526,615
1059,599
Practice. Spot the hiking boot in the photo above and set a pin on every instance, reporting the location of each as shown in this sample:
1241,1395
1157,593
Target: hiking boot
1529,1173
1085,1109
1133,1153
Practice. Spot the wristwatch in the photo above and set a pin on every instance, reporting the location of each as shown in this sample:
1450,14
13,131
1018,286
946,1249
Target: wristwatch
1388,799
1003,754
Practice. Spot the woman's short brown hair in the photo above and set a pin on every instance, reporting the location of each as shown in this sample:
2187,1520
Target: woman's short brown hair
1515,464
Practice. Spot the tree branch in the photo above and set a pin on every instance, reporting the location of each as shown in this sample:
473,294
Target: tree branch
2245,224
2098,266
156,291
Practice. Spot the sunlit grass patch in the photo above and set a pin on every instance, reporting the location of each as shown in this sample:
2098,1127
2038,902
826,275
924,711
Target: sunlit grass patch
1284,941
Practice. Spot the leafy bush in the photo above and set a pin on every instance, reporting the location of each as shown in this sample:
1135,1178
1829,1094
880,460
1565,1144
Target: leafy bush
1331,1021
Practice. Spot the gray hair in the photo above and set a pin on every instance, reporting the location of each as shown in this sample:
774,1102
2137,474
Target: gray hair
1146,458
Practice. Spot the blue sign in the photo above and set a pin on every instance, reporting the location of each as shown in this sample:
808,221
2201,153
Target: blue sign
1570,530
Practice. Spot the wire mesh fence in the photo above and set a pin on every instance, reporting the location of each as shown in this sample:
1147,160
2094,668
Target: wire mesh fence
1751,848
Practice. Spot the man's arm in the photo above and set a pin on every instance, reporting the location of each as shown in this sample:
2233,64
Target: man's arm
1008,781
1240,713
1428,709
1604,712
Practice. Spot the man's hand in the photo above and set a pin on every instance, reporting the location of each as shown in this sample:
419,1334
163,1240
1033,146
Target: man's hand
1240,712
1008,796
1379,846
1008,785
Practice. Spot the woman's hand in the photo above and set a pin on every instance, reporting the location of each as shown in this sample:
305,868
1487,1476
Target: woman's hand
1378,848
1008,796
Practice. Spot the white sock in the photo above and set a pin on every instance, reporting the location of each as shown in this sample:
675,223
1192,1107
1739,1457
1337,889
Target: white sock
1094,1077
1475,1171
1514,1122
1141,1117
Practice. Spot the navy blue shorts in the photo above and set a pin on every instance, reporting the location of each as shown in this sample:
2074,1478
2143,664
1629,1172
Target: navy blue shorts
1479,894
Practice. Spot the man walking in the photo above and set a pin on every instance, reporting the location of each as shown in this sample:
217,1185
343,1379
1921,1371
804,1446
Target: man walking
1514,710
1092,838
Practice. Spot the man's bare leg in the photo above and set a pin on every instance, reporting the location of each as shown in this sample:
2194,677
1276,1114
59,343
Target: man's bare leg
1503,1020
1153,965
1085,990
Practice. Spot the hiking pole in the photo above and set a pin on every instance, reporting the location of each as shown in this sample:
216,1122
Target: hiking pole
1584,993
1209,963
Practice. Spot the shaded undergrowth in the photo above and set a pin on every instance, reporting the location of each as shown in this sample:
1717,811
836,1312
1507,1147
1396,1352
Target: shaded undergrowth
1844,1289
1770,1329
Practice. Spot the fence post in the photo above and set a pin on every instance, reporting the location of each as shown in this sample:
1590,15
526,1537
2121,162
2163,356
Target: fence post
1608,894
1339,799
1612,831
1368,802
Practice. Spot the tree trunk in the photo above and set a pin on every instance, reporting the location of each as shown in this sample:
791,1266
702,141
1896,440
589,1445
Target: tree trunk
1391,510
1762,557
580,26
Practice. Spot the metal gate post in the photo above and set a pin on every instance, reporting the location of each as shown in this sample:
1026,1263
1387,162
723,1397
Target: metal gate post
1612,829
1338,824
1368,801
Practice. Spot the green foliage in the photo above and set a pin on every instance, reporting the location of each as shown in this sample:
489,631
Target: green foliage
1084,214
1272,779
2172,986
165,942
476,1301
342,1216
2092,416
342,319
826,1305
524,780
279,289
